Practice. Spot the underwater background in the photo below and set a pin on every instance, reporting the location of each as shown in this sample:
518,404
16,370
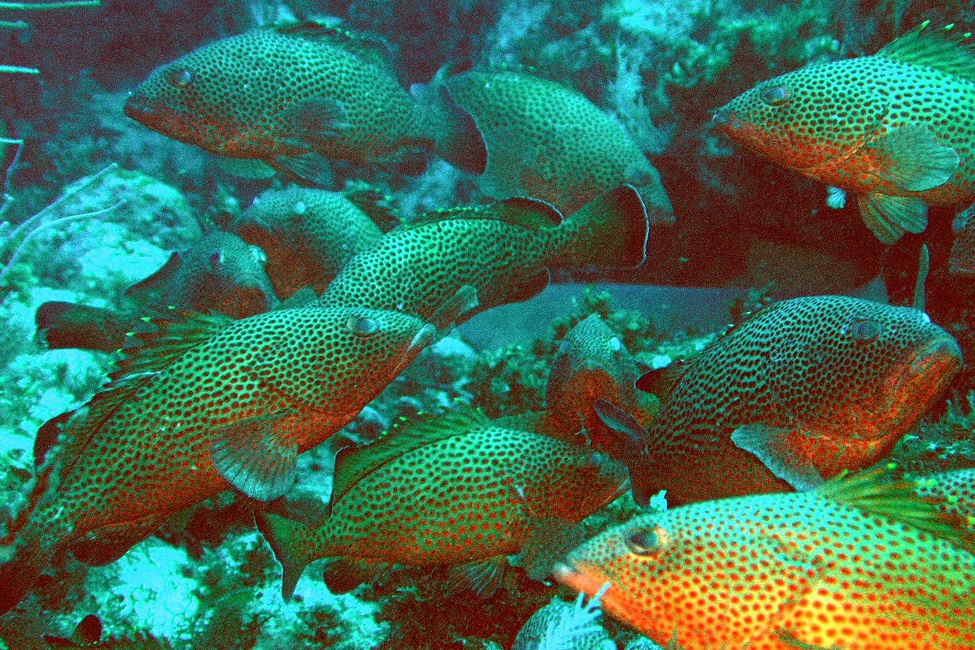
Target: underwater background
105,201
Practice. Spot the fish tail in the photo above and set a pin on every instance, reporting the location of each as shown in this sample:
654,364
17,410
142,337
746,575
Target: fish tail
21,563
284,537
456,137
609,231
67,325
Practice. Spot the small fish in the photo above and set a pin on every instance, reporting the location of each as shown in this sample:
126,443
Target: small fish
502,251
800,391
292,95
454,490
548,141
205,405
592,363
308,235
896,127
858,563
218,273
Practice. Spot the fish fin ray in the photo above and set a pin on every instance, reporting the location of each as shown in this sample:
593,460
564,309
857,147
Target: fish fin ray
483,577
456,309
344,574
913,159
251,456
889,217
940,49
68,325
663,381
547,542
250,168
306,169
610,231
411,161
771,446
107,546
283,536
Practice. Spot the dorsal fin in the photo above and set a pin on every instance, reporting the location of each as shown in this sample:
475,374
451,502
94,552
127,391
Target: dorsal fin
940,49
370,47
352,464
874,493
533,214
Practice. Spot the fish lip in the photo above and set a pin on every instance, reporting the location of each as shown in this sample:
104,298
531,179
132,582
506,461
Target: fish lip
939,359
725,119
421,339
584,582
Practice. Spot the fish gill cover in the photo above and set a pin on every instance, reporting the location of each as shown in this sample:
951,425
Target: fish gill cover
296,279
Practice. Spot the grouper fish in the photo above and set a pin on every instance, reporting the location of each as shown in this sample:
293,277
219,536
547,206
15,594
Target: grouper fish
308,235
292,95
896,128
457,489
858,563
503,252
217,273
205,405
802,390
548,141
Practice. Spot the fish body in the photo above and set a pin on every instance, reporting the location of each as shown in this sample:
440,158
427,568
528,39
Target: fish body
453,490
548,141
800,391
217,273
856,564
308,235
207,405
288,95
954,491
896,127
503,251
592,363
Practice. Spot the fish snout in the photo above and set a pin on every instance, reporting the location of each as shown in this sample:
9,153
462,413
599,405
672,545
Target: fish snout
725,119
926,373
136,106
939,357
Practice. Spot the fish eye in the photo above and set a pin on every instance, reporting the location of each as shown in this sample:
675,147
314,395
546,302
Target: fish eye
647,541
180,77
216,260
865,331
774,95
362,326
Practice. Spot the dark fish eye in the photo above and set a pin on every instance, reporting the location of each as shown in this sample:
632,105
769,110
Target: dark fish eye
774,95
180,77
647,541
362,326
865,330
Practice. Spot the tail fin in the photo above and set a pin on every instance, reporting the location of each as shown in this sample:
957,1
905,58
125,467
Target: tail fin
21,564
284,537
609,231
67,325
457,139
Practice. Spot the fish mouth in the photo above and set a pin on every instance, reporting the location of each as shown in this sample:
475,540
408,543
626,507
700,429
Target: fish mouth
925,373
422,339
138,108
725,119
589,582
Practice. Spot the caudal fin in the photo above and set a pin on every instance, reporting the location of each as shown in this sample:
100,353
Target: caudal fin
67,325
457,138
608,232
284,537
21,563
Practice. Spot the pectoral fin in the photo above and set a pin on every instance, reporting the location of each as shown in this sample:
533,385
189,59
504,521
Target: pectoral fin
913,159
772,446
889,217
251,456
483,577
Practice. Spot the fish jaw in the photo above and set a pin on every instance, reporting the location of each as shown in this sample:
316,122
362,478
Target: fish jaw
421,340
919,379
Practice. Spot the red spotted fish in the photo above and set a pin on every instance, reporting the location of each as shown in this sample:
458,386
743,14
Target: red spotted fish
207,405
503,252
308,235
954,490
858,564
548,141
218,273
895,127
802,390
455,490
292,95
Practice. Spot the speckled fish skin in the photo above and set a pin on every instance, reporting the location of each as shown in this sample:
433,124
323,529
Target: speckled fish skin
899,123
787,571
592,363
285,91
214,403
217,273
452,490
955,491
548,141
308,235
503,250
818,384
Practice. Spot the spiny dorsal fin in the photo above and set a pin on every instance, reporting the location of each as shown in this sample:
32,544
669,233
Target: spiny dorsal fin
370,47
533,214
874,493
940,49
662,381
352,464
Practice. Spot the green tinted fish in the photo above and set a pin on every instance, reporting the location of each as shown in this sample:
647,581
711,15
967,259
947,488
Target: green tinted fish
896,127
453,490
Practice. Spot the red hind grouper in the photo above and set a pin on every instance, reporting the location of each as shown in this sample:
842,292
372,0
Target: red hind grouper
592,363
289,95
503,251
856,564
208,405
802,390
548,141
895,127
453,490
308,235
219,272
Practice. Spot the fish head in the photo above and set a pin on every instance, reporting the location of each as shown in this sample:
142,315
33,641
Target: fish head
224,273
807,118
